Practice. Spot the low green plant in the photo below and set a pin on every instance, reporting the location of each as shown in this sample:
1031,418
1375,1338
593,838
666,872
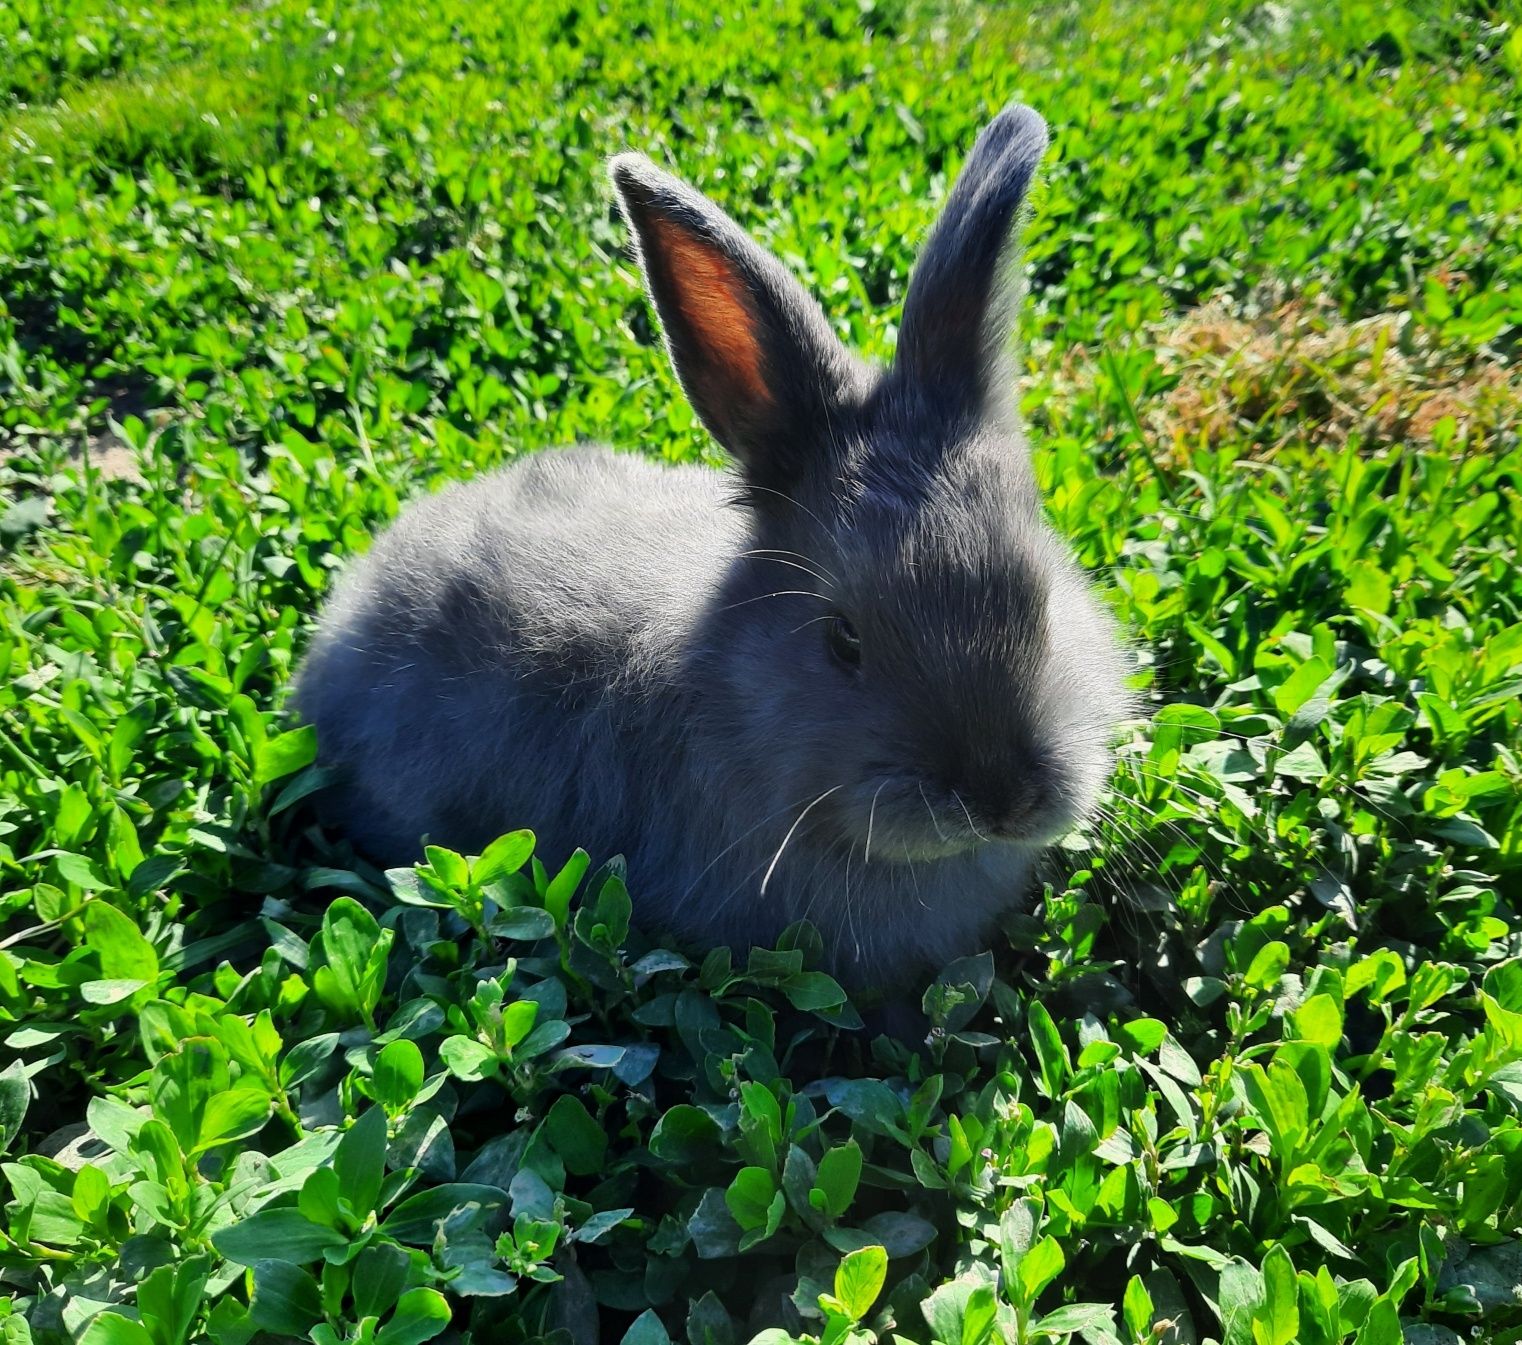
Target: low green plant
1247,1070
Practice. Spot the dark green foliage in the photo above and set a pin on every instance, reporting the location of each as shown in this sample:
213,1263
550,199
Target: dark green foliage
1250,1069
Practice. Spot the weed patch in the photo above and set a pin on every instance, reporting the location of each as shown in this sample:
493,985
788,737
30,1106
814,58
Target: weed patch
1249,1067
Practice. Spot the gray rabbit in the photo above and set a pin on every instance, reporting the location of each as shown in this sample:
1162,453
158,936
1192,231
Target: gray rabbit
861,681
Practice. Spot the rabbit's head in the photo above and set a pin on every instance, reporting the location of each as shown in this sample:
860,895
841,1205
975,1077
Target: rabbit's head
910,639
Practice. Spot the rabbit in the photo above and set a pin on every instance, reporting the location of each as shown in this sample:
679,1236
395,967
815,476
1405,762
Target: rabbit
860,680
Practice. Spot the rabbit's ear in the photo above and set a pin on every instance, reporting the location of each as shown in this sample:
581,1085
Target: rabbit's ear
757,358
959,312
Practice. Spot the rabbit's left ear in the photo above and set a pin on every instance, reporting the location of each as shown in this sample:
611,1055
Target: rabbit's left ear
756,357
959,312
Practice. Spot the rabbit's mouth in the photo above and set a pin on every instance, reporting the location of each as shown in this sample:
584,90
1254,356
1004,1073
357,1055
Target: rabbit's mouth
905,819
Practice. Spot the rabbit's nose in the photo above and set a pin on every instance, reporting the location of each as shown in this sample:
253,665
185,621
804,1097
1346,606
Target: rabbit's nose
1014,822
1016,814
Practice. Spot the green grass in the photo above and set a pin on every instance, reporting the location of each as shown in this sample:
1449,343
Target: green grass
1250,1068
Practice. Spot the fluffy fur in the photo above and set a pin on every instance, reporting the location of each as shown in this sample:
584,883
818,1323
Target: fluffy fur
647,660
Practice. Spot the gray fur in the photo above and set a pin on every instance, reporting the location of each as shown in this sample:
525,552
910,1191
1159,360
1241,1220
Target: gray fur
632,657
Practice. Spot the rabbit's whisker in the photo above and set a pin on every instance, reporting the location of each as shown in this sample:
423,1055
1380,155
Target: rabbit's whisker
968,814
915,878
813,620
796,559
771,868
783,495
780,593
871,818
739,840
934,820
850,908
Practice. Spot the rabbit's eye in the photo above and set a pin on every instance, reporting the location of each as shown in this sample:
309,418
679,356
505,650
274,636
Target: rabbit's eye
844,642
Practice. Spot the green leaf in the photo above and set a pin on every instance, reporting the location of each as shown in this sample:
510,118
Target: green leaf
526,924
182,1086
353,948
979,1315
111,1328
126,735
774,1214
306,1058
1299,687
1039,1267
307,782
708,1323
1319,1020
285,754
961,1312
450,868
712,1227
1301,763
110,992
813,991
15,1095
761,1123
398,1074
957,994
685,1135
81,872
1078,1317
1143,1035
518,1021
380,1277
415,1220
1017,1231
581,1143
839,1174
467,1059
899,1232
1278,1100
276,1235
1241,1295
92,1193
318,1199
359,1162
1382,1326
507,854
1051,1054
285,1299
232,1115
859,1279
421,1314
1137,1308
228,1323
1267,966
749,1197
601,1224
557,896
647,1330
612,912
125,955
1277,1322
1177,726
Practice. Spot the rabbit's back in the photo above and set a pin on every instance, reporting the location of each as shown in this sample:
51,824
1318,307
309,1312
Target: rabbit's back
504,641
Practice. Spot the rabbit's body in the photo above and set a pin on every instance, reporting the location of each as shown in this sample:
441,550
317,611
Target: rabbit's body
491,654
603,600
658,661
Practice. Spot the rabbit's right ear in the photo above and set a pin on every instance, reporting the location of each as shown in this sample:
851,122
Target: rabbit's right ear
756,357
959,312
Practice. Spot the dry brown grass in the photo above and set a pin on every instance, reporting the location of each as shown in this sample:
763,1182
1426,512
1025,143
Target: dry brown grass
1301,376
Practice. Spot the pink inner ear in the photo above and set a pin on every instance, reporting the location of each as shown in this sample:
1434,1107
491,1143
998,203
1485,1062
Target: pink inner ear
711,296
